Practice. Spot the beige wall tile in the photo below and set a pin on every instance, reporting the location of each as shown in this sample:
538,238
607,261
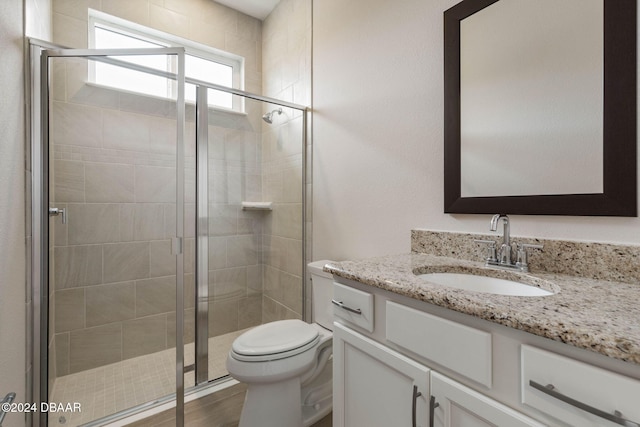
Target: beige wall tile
71,7
273,283
169,21
149,221
161,261
109,183
77,70
162,135
272,311
217,253
250,311
223,220
229,283
284,254
126,131
254,278
110,303
144,105
69,310
207,33
77,266
144,336
245,47
76,125
126,261
217,186
90,95
69,181
136,11
69,31
169,220
127,222
223,317
155,184
286,220
292,292
62,354
155,296
292,185
93,223
242,250
93,347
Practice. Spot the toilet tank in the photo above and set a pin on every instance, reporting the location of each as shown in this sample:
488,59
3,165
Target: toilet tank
321,294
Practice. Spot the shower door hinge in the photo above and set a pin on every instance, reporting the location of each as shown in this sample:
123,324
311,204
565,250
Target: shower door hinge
176,245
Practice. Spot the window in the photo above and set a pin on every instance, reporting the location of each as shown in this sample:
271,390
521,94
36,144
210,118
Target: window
201,62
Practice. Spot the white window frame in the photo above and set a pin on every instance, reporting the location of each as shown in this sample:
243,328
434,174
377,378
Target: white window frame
128,28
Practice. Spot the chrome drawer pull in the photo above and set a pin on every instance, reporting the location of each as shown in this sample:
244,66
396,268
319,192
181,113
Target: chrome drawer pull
616,417
341,305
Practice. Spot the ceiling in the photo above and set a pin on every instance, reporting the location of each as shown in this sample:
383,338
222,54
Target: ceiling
257,8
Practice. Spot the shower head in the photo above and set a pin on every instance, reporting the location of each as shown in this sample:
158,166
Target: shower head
268,117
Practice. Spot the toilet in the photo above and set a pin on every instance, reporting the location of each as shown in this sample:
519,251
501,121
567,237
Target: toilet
287,364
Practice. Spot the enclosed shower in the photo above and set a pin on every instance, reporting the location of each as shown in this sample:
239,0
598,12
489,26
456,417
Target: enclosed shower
163,229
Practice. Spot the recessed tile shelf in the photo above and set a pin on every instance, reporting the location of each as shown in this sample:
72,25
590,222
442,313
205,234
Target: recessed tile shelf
256,206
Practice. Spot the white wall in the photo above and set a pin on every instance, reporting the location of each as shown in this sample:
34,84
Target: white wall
12,206
378,135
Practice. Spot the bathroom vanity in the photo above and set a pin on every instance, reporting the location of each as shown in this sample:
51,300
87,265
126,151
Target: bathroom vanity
410,352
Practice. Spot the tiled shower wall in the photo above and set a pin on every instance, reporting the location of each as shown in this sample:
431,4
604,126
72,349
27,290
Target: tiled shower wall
114,172
286,74
124,307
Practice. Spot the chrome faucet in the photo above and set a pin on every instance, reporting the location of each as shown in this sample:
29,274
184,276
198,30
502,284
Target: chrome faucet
502,258
505,248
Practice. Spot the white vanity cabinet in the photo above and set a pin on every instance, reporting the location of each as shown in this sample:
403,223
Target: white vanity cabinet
455,405
375,386
402,362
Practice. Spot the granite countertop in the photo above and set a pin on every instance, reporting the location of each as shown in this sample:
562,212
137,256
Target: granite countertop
601,316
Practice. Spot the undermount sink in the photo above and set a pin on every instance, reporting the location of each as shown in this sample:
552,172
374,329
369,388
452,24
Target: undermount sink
476,283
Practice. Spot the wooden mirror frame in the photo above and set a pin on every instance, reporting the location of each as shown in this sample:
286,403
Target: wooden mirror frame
619,125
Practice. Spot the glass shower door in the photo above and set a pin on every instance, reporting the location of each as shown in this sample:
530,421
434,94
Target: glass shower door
251,220
112,164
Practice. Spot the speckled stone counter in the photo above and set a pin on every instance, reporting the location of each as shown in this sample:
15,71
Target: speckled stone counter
598,315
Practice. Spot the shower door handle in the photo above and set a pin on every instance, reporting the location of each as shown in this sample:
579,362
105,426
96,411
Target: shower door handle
7,400
59,211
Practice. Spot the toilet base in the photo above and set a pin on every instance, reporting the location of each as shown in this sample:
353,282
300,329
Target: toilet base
272,405
286,404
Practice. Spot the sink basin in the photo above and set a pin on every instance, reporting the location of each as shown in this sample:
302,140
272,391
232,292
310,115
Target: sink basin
491,285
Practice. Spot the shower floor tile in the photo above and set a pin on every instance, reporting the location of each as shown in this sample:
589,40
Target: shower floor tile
112,388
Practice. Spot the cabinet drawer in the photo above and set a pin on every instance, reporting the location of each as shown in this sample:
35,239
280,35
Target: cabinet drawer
460,348
353,306
578,389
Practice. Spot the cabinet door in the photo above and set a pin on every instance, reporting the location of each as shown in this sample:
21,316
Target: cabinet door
459,406
374,386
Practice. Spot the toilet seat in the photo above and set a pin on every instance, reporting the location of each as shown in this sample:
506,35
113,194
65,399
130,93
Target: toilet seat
274,341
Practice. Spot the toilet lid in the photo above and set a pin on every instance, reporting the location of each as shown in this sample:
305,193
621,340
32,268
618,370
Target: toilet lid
275,337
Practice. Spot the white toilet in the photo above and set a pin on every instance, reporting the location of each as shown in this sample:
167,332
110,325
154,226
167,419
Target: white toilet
287,364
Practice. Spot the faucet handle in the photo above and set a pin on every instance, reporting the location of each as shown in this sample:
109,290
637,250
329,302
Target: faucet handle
492,254
522,261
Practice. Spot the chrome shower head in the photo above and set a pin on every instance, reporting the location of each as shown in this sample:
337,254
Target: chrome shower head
268,117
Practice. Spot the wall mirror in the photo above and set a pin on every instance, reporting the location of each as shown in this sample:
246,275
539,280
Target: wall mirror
540,107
